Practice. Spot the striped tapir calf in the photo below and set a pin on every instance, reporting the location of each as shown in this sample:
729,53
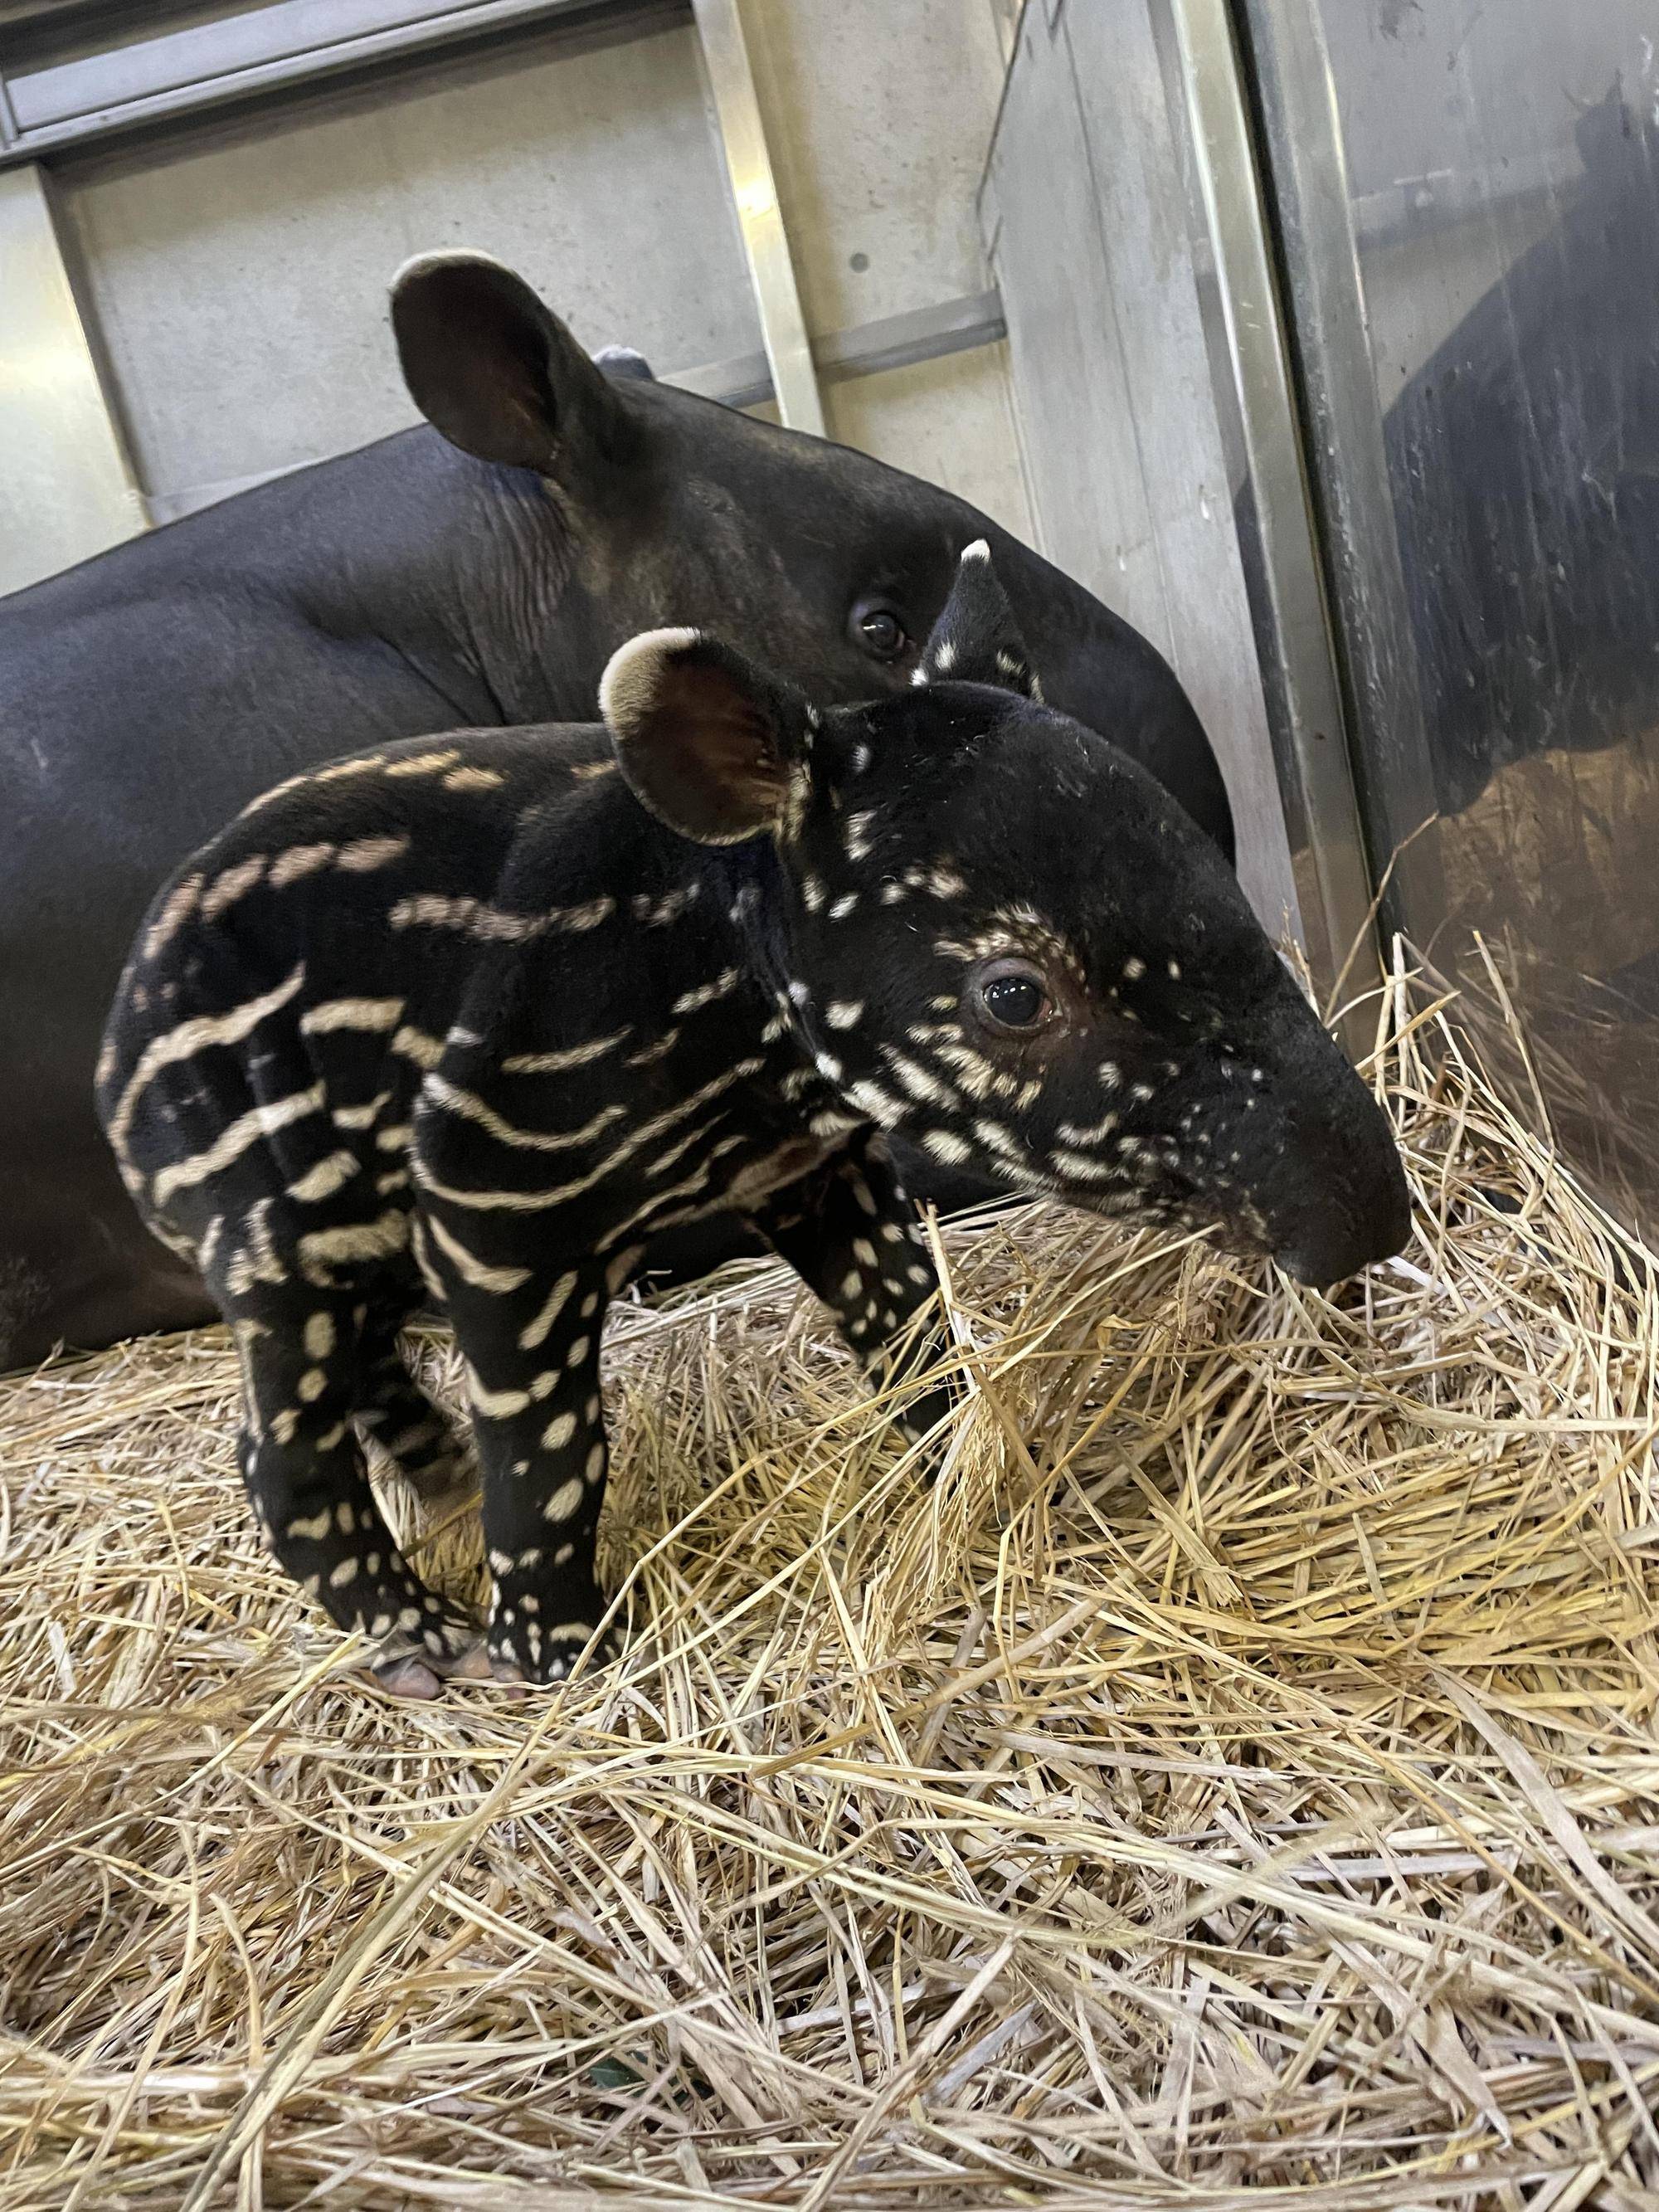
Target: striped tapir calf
487,1012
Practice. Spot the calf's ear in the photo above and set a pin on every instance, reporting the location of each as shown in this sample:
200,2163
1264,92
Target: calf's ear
706,741
976,639
494,368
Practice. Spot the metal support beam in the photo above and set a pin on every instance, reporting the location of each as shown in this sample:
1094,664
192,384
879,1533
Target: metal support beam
1298,652
66,489
1303,145
749,164
138,83
888,342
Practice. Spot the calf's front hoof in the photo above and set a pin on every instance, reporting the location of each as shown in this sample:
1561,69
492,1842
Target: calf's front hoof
401,1673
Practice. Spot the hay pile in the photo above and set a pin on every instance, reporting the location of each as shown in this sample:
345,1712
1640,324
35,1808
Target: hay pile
1237,1779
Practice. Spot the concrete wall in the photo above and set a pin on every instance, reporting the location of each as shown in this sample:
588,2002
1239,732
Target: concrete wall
236,269
880,114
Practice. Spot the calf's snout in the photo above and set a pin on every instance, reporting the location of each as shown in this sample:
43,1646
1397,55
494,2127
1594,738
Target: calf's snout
1338,1200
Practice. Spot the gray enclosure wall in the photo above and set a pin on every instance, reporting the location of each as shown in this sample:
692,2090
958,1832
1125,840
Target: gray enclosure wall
233,267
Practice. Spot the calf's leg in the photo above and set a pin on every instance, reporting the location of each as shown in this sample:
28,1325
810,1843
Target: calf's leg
415,1431
532,1357
851,1235
309,1489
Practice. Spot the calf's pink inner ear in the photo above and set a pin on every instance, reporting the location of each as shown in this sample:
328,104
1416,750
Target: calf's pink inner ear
697,738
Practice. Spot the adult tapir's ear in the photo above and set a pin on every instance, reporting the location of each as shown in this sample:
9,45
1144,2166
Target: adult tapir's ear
493,367
710,743
976,639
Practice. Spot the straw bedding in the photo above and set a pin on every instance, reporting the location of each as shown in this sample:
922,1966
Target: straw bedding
1235,1781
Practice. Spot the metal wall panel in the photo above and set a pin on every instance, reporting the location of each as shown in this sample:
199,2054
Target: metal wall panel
1085,213
1470,202
238,271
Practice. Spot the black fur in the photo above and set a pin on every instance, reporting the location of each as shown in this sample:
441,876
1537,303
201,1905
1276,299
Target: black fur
481,576
492,1010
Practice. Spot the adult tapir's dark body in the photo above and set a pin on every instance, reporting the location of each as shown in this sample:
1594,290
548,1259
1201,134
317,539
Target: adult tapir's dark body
481,576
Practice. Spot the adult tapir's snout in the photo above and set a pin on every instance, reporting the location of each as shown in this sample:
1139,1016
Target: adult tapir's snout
1330,1189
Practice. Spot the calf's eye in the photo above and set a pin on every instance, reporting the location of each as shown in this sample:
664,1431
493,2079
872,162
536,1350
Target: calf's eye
1012,995
880,630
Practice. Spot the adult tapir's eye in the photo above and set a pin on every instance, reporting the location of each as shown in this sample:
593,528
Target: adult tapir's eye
1012,995
879,629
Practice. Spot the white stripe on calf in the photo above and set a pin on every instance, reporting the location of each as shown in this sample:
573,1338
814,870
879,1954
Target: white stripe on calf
367,1240
361,1117
449,1095
542,1202
359,765
471,1269
363,854
705,993
299,860
556,1063
234,1139
418,1045
331,1014
196,1036
228,886
656,913
1077,1166
492,924
494,1405
425,763
648,1054
881,1105
176,909
917,1080
328,1176
535,1333
257,1263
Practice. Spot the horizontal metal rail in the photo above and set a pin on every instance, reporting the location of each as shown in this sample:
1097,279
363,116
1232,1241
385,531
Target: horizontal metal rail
891,341
54,106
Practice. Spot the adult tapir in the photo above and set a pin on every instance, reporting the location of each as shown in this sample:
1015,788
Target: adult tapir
479,571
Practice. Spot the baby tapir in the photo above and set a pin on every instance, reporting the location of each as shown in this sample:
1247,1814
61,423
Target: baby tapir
487,1010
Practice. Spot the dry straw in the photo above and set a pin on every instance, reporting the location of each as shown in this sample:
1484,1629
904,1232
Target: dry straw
1234,1782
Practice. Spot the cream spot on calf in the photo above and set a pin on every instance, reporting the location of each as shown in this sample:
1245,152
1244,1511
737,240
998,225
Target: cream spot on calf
564,1500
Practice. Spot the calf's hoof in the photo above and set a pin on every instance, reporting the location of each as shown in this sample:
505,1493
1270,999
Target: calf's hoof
407,1673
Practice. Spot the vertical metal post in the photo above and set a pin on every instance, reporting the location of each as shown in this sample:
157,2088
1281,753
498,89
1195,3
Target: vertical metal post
1303,147
66,486
1299,655
743,135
